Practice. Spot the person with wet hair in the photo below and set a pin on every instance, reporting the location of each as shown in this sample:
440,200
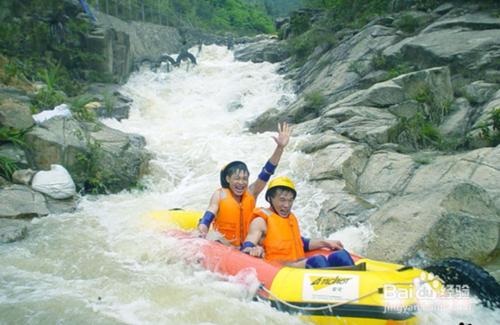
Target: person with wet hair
274,233
231,205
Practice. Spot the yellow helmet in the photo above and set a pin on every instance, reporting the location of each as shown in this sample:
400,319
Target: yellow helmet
280,182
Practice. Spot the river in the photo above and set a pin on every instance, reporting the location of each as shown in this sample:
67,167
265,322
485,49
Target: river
108,263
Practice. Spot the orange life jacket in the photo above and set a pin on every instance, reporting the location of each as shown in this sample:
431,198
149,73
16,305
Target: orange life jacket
282,241
233,218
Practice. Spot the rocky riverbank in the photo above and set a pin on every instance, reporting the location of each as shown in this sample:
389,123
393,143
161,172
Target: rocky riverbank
403,124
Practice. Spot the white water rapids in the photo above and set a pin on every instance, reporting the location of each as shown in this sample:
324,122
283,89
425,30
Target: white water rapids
108,263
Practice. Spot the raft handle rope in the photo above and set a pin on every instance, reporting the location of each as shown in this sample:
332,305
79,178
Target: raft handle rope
330,306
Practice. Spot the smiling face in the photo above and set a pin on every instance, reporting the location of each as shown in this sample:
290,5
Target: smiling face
238,182
282,202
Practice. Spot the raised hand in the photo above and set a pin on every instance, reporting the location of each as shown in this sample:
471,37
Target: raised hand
283,135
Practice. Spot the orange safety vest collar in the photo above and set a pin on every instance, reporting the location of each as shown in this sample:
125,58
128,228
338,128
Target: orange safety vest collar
233,217
282,241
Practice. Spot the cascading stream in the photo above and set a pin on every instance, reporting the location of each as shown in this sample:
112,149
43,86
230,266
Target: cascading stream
107,263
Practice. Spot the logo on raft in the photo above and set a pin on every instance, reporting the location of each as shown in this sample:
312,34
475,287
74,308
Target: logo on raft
430,294
321,282
332,287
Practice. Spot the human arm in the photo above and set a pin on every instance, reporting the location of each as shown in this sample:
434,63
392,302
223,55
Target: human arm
209,215
324,243
256,232
281,140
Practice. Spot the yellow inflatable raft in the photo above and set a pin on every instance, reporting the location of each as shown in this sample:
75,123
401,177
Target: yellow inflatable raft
368,293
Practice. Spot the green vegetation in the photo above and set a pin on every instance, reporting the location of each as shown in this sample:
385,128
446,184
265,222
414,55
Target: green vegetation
109,103
7,167
398,70
417,131
421,131
11,135
490,131
331,16
236,16
303,45
16,137
315,100
80,112
435,110
408,23
95,177
39,35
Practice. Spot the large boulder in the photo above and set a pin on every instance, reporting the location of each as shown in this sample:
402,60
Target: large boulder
342,208
109,101
465,47
456,122
478,166
334,156
19,201
15,115
371,115
263,51
124,43
452,220
337,72
364,124
385,175
108,158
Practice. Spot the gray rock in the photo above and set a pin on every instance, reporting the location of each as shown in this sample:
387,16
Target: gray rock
417,20
84,148
19,201
14,153
23,176
12,230
478,166
123,43
342,209
264,51
450,220
333,71
472,21
480,92
266,121
462,50
360,123
455,124
61,206
113,103
234,106
443,9
329,162
492,76
387,172
369,115
4,182
322,140
14,94
15,115
481,118
56,141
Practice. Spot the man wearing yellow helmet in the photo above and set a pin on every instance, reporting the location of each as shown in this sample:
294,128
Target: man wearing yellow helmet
274,233
231,206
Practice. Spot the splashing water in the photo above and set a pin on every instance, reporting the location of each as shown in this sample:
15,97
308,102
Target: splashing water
108,263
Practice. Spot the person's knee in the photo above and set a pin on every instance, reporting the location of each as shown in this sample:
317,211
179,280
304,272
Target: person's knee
316,262
340,258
